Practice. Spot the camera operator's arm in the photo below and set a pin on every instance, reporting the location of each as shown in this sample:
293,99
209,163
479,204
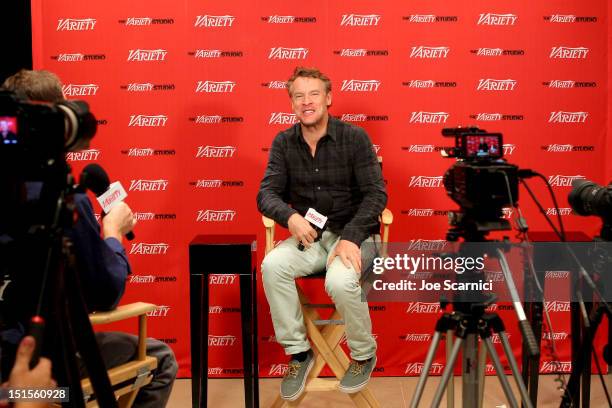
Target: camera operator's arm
371,185
23,378
103,265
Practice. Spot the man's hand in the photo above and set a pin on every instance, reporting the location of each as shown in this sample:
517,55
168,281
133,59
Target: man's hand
301,230
36,378
119,221
349,254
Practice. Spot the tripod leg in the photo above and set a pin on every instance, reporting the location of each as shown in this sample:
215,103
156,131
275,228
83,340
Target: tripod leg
416,398
470,371
448,372
515,370
500,373
450,389
482,362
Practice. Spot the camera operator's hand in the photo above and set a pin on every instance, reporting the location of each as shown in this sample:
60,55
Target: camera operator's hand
349,253
118,222
36,378
301,230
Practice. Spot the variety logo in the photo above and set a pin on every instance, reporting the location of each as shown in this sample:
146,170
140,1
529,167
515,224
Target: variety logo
278,369
77,57
216,119
215,151
362,117
360,52
275,84
570,18
160,311
426,245
142,278
147,87
493,19
221,309
417,369
549,367
421,148
143,248
148,152
429,117
148,185
360,20
147,55
420,212
563,181
566,148
83,155
215,53
496,52
206,21
430,18
494,117
148,120
428,83
417,337
488,84
276,19
215,86
557,306
424,51
76,24
221,279
285,53
567,117
569,52
145,21
357,85
558,211
149,216
425,181
215,215
507,212
565,84
80,90
216,183
423,307
282,118
225,371
221,341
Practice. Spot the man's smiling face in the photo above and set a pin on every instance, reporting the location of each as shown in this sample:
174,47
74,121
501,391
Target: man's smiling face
310,100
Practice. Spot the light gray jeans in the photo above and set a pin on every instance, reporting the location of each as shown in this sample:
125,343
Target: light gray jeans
285,263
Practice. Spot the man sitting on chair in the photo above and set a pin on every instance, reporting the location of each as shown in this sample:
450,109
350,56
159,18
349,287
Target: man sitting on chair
320,159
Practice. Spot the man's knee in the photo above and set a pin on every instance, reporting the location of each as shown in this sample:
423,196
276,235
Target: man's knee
338,283
274,267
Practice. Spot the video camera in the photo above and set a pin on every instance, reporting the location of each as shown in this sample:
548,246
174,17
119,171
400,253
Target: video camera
481,182
589,198
33,134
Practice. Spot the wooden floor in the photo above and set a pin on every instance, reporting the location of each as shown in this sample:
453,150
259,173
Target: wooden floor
392,392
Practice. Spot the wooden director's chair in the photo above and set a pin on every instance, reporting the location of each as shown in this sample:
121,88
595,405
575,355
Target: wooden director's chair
126,379
326,339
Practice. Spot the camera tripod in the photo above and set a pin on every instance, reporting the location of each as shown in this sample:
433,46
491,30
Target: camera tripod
468,327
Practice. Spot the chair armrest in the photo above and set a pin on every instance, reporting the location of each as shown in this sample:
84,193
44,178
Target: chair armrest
121,313
267,222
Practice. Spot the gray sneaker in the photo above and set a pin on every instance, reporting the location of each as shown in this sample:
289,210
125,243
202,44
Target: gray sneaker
294,381
357,375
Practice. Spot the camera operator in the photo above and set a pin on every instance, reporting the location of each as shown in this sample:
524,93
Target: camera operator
102,264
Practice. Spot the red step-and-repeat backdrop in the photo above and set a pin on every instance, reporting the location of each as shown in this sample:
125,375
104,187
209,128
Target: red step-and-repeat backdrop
189,95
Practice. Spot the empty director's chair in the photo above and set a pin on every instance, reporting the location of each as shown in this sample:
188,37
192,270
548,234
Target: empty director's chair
325,335
126,379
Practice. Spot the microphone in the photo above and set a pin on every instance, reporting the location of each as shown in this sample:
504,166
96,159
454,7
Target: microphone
317,217
95,178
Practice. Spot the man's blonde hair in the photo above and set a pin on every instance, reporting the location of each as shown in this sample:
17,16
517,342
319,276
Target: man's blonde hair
309,73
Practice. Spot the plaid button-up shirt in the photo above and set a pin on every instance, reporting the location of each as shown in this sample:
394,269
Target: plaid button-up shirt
344,171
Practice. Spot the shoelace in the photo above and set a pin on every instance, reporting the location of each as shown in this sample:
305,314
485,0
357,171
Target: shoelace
293,370
357,367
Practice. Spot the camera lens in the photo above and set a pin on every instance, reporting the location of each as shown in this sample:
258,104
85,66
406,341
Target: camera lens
588,198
